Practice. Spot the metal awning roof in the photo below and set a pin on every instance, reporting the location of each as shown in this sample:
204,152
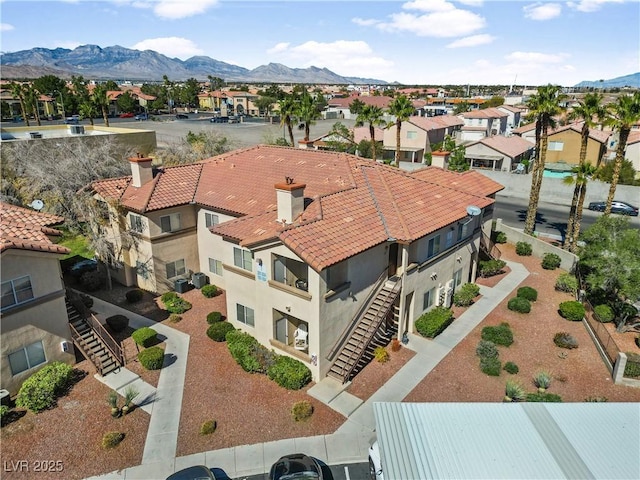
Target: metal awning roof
509,440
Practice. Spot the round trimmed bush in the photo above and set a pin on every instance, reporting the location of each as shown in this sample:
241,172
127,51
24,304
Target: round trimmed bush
134,295
218,331
501,237
214,317
524,249
519,304
145,336
567,283
490,366
208,427
87,300
168,296
500,335
151,358
551,261
489,268
572,310
209,290
565,340
174,318
529,293
486,349
112,439
511,368
604,313
465,295
40,390
289,373
92,280
301,410
434,321
117,323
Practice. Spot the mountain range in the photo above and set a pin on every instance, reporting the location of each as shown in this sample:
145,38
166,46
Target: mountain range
119,63
632,81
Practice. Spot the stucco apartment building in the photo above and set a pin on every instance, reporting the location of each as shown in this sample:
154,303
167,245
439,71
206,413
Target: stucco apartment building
483,123
34,325
304,240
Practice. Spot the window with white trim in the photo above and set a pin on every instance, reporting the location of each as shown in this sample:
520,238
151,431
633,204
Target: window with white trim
215,266
211,219
16,291
136,223
449,239
429,298
177,268
433,247
555,146
27,358
412,135
245,315
457,278
243,259
170,223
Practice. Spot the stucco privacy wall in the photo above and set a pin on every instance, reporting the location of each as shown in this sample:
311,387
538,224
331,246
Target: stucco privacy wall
554,191
540,247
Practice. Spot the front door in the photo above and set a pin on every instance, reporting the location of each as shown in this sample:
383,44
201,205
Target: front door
393,259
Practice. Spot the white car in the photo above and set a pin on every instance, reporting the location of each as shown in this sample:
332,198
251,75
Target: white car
375,462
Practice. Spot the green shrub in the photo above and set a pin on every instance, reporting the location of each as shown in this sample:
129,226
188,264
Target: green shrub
175,318
289,373
214,317
551,261
134,295
145,336
241,346
168,297
465,295
208,427
543,397
523,249
433,322
567,283
489,268
380,354
218,331
500,335
4,410
264,356
486,349
604,313
87,300
177,305
117,323
514,392
209,291
151,358
542,380
528,293
490,366
511,368
519,304
40,390
632,369
92,280
112,439
301,410
500,237
565,340
572,310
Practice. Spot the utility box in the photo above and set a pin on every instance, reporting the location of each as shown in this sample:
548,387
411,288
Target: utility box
199,280
181,285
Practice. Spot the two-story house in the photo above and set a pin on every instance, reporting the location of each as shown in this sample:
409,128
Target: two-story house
34,325
483,123
308,245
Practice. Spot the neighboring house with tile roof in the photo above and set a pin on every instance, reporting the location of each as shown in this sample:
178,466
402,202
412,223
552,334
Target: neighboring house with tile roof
498,153
564,143
514,117
229,102
35,327
632,152
418,134
304,240
338,107
483,123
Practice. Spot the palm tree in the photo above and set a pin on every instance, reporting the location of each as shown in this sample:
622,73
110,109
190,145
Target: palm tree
544,105
87,110
591,111
18,91
307,112
583,173
31,98
287,112
101,101
402,108
625,113
373,116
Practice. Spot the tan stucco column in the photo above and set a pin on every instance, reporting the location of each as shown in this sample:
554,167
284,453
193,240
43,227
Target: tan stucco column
403,322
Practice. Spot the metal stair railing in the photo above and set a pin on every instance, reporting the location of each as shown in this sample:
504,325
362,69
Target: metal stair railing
81,344
489,247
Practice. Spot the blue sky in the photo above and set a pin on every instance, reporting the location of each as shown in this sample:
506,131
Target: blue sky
412,42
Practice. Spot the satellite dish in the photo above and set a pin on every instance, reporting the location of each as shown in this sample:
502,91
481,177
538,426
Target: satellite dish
37,205
473,211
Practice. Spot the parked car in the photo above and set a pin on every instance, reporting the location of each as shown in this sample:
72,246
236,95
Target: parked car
622,208
375,463
87,265
233,119
182,116
142,116
296,466
72,120
126,115
219,119
197,472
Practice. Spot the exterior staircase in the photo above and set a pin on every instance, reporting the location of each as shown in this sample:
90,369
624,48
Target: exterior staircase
92,339
489,248
365,333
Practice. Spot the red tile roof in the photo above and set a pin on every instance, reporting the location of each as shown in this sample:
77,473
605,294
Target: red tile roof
436,123
486,113
375,100
25,229
510,146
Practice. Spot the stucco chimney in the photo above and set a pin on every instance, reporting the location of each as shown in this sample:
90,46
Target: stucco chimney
141,170
290,197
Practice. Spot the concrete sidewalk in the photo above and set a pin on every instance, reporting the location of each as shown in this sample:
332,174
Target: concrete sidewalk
350,443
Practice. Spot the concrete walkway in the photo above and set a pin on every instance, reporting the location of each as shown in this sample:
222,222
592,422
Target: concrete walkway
350,443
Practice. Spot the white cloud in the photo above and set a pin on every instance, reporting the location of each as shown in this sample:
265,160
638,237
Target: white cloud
170,46
351,58
6,27
536,57
472,41
364,22
442,23
174,9
429,5
472,3
542,11
591,5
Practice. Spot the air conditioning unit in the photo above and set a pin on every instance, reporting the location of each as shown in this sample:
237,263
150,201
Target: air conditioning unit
448,293
76,129
440,296
199,280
